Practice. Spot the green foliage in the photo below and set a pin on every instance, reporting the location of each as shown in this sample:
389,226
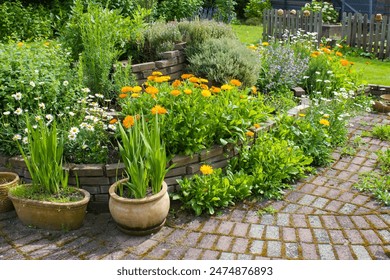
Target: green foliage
226,10
44,158
266,210
329,14
381,132
377,184
255,8
384,160
24,23
207,193
144,157
221,60
273,163
178,9
33,77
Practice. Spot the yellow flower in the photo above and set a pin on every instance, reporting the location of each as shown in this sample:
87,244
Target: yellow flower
206,169
123,95
265,44
226,87
159,79
206,93
126,89
175,92
176,83
215,89
187,91
344,62
128,121
112,121
235,82
302,115
203,86
313,55
157,73
256,125
137,89
339,54
135,95
186,76
324,122
159,110
194,80
151,78
326,50
250,133
151,90
20,44
203,81
252,47
46,44
254,89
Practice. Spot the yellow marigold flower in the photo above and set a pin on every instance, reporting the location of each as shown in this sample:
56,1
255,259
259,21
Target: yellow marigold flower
339,54
135,95
128,121
252,47
186,76
344,62
112,121
203,86
151,90
313,55
265,44
159,110
151,78
302,115
235,82
226,87
187,91
324,122
203,81
175,92
215,89
256,125
137,89
326,50
206,169
166,78
157,73
126,89
250,133
194,80
254,90
176,83
20,44
159,79
206,93
123,95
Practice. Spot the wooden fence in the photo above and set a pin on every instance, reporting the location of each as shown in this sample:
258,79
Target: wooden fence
369,33
275,24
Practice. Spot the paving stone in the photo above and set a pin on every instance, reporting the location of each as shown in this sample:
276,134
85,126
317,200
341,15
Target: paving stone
176,236
305,235
321,235
358,160
345,222
237,215
274,249
144,247
267,219
343,252
294,196
244,257
371,237
320,202
334,206
210,226
240,229
207,241
210,255
292,250
291,208
315,221
159,251
346,197
192,239
385,234
256,247
192,254
252,217
347,209
330,222
256,231
360,199
360,222
309,251
386,217
320,191
289,234
283,219
320,180
354,236
376,221
326,252
306,210
224,243
333,194
337,237
240,245
308,188
225,227
377,252
227,256
360,252
307,199
299,220
272,232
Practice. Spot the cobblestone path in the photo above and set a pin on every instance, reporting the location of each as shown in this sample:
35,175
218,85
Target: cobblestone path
322,217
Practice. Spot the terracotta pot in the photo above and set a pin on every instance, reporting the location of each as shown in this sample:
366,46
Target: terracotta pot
7,181
139,216
51,215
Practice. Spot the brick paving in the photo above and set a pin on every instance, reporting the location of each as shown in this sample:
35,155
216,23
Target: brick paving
322,217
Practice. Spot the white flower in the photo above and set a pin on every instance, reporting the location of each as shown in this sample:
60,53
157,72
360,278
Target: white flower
98,95
42,105
17,96
318,73
25,140
71,114
32,84
35,126
6,113
306,77
84,146
65,83
16,137
74,130
38,118
83,125
41,83
90,127
329,72
49,117
327,81
26,130
18,111
85,90
318,80
72,137
112,127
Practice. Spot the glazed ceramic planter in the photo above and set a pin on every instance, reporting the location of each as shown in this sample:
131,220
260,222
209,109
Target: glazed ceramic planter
51,215
7,181
139,216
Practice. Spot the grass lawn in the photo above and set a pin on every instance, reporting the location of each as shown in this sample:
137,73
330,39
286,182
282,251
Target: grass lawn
373,71
248,34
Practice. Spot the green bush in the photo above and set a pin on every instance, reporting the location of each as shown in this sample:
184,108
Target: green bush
221,60
255,8
329,14
178,9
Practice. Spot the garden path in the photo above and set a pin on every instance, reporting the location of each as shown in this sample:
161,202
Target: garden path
322,217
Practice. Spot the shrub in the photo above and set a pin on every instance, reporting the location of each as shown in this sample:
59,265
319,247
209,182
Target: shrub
329,14
221,60
381,132
178,9
225,10
255,8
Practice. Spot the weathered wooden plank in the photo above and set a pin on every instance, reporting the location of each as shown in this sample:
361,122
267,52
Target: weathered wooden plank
349,28
364,31
359,23
383,38
388,38
371,39
377,37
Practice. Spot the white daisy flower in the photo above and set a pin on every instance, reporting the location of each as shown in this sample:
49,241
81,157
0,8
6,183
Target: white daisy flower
74,130
6,113
32,84
18,111
65,83
72,137
16,137
17,96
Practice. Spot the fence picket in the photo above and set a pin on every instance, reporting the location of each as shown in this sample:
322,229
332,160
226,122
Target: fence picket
388,38
365,29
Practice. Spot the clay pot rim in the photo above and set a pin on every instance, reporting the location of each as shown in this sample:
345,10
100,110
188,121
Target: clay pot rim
146,199
9,174
385,97
81,202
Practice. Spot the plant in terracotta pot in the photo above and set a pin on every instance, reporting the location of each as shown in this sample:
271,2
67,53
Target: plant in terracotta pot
48,202
140,203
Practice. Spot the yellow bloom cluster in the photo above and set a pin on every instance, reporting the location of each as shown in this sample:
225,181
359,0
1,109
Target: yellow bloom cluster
206,169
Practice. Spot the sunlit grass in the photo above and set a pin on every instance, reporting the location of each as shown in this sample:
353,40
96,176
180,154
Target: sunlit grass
373,71
248,34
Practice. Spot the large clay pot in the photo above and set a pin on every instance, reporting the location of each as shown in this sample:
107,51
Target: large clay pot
139,216
7,181
51,215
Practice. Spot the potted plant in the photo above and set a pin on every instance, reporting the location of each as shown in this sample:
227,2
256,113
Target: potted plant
7,181
48,202
139,204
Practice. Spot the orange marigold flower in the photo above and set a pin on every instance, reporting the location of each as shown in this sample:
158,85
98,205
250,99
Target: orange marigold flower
137,89
112,121
186,76
159,110
176,83
235,82
226,87
339,54
344,62
187,91
135,95
254,90
256,125
157,73
151,78
194,80
324,122
250,133
151,90
175,92
206,169
203,86
126,89
123,95
326,50
206,93
313,55
215,89
128,121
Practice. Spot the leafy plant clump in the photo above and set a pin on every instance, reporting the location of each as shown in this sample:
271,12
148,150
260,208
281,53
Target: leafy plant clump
329,14
381,132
